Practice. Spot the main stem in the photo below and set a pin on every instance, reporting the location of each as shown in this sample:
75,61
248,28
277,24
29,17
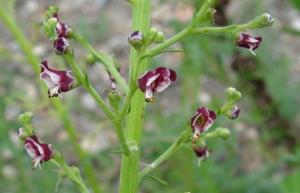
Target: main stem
134,120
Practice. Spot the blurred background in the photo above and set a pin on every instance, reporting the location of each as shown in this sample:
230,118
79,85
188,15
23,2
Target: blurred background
261,155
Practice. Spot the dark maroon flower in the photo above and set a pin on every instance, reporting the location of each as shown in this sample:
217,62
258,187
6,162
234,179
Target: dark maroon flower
62,30
61,45
202,153
201,121
248,42
56,81
156,81
38,151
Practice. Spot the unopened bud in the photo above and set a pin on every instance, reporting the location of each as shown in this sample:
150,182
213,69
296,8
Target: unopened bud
26,118
233,95
209,14
61,45
263,20
223,132
136,40
90,59
114,98
159,38
62,174
232,112
23,134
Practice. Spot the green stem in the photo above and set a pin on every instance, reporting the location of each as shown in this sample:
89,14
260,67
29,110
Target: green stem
184,33
134,120
227,29
184,138
122,139
108,63
76,179
69,57
22,40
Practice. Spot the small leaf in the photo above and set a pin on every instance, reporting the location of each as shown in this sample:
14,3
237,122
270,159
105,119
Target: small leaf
157,180
116,152
87,80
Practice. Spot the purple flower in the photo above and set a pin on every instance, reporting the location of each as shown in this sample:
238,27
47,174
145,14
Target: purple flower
201,121
61,45
38,151
248,42
156,81
56,81
62,30
202,153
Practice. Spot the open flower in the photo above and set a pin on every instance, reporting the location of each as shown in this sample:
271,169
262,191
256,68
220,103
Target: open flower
248,42
38,151
62,30
56,81
201,121
156,81
202,153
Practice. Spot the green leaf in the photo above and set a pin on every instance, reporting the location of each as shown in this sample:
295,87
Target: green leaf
157,180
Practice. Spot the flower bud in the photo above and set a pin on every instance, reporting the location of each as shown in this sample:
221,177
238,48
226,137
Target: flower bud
232,112
114,98
233,95
52,10
61,45
263,20
136,40
62,174
209,14
23,134
159,38
223,132
26,118
49,28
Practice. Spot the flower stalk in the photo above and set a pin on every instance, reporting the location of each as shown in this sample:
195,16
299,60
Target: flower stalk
184,138
107,61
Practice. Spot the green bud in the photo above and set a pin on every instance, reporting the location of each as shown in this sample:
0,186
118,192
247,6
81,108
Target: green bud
90,59
233,95
62,174
223,132
263,21
208,16
52,10
26,118
114,98
159,38
49,28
